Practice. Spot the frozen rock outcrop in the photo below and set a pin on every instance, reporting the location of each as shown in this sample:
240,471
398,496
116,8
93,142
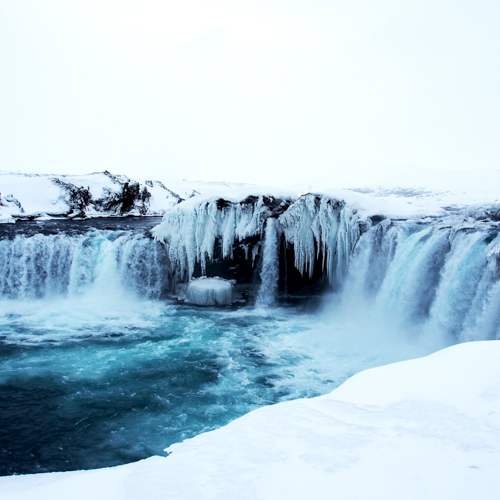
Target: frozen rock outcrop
321,230
193,229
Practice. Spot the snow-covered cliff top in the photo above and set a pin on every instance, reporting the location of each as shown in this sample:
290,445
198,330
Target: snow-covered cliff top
91,195
419,429
102,194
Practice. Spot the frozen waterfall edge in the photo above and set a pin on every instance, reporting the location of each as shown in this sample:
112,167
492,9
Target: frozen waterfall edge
443,271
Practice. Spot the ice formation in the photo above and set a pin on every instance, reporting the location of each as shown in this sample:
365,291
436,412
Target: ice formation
192,232
210,292
316,226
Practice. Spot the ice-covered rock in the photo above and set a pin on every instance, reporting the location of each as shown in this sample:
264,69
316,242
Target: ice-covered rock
319,228
210,292
192,229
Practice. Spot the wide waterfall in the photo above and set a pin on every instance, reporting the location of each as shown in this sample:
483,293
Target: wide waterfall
48,265
441,272
97,350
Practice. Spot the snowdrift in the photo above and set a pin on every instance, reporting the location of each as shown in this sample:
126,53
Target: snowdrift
419,429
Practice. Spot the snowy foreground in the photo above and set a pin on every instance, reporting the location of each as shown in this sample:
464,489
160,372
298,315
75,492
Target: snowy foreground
422,429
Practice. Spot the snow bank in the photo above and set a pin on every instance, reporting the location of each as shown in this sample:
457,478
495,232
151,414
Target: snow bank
422,429
210,292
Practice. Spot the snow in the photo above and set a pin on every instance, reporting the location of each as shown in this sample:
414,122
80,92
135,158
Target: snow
418,429
42,197
395,202
39,195
210,292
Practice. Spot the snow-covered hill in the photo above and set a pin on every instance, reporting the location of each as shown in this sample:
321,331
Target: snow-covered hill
92,195
422,429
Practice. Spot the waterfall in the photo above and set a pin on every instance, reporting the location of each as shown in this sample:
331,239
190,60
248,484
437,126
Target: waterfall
71,264
428,277
459,280
269,274
439,275
409,287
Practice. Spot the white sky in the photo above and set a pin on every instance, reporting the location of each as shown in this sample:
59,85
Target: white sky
273,91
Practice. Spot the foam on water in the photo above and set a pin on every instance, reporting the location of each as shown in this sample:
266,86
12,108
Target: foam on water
108,384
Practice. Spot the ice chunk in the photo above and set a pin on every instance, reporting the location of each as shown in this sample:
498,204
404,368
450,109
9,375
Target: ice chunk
210,292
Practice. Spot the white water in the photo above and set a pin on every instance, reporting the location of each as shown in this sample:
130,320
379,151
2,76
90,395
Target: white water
103,262
269,274
426,276
431,280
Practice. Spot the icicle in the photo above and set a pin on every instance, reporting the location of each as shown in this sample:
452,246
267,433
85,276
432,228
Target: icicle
191,232
316,224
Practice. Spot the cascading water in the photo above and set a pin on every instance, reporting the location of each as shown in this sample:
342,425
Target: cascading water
428,277
111,374
269,273
41,265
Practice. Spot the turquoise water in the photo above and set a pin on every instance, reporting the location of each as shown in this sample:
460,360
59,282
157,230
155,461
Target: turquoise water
98,368
83,386
93,382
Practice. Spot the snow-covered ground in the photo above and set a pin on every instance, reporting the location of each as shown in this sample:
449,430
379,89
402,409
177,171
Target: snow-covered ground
43,196
423,429
91,195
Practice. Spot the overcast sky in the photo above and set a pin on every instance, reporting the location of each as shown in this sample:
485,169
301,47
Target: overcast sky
347,92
